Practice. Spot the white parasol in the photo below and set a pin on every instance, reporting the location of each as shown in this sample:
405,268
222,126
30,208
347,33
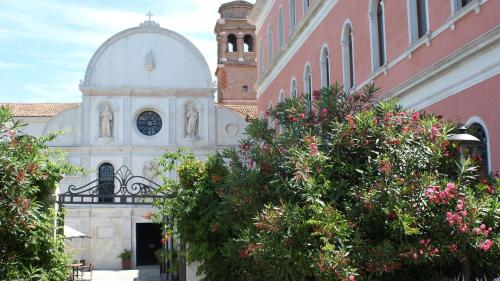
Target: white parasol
70,233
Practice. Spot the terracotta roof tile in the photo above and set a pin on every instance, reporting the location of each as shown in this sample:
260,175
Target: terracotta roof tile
38,109
247,110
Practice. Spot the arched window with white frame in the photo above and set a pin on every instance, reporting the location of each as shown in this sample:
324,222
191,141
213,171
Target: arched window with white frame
261,58
293,15
270,44
281,28
418,13
281,96
377,33
325,67
481,151
270,120
308,87
293,88
348,56
306,5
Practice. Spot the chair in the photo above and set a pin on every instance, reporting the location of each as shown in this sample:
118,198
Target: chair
86,268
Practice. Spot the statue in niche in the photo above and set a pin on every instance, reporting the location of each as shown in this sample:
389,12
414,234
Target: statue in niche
106,122
191,122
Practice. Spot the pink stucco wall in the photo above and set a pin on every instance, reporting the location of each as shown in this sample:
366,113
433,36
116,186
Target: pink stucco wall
329,31
482,101
467,28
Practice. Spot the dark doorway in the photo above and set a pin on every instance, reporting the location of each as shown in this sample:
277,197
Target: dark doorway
148,240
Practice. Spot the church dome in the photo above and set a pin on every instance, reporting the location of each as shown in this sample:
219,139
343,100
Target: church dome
148,57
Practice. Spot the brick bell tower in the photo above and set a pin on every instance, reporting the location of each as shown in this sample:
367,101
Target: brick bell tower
236,66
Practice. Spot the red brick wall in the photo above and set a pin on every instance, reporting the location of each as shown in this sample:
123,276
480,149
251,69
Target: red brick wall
231,79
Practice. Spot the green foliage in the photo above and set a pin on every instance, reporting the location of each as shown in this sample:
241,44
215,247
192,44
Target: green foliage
30,249
340,189
125,255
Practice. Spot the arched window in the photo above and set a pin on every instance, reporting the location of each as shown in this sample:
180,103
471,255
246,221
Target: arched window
281,31
307,5
293,88
377,33
293,15
270,44
232,45
308,83
459,4
418,19
480,151
348,56
325,67
270,120
281,97
106,178
248,43
261,58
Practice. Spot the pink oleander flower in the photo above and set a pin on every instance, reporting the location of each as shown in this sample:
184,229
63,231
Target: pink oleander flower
436,196
483,230
486,245
302,115
415,116
352,278
463,228
324,111
314,149
434,133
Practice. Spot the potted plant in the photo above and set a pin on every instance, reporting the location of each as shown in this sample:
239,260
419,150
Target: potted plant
126,257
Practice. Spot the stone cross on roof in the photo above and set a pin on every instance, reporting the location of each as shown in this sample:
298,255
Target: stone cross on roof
149,22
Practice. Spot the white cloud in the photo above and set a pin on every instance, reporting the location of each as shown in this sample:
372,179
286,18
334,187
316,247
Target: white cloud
11,65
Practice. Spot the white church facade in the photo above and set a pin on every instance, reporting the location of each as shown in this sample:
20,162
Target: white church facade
146,90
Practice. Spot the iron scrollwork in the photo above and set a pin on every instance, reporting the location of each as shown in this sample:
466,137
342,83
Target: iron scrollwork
126,189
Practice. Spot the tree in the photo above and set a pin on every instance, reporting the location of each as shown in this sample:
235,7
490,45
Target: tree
344,188
29,174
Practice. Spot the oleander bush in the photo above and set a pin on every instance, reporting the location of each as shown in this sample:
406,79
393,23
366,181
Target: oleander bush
29,173
340,188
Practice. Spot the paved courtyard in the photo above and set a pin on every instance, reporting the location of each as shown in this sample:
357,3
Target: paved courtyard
141,274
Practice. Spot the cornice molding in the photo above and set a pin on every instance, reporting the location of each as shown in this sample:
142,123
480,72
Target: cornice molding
485,42
260,12
297,39
148,92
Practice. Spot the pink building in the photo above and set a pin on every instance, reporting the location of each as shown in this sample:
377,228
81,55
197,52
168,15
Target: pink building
440,56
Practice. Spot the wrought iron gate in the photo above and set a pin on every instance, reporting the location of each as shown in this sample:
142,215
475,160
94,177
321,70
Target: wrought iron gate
123,189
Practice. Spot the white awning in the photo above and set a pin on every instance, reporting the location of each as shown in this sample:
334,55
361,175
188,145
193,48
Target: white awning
70,233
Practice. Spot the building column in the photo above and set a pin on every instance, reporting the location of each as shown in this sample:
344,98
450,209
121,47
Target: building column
241,46
223,47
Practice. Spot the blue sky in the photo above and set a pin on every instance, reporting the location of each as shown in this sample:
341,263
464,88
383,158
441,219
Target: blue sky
45,45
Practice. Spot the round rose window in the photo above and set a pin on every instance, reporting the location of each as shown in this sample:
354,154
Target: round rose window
149,123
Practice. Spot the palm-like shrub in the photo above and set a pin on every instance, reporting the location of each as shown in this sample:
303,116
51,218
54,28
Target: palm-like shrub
340,188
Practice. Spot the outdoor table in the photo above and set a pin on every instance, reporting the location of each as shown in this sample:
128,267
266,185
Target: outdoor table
76,269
